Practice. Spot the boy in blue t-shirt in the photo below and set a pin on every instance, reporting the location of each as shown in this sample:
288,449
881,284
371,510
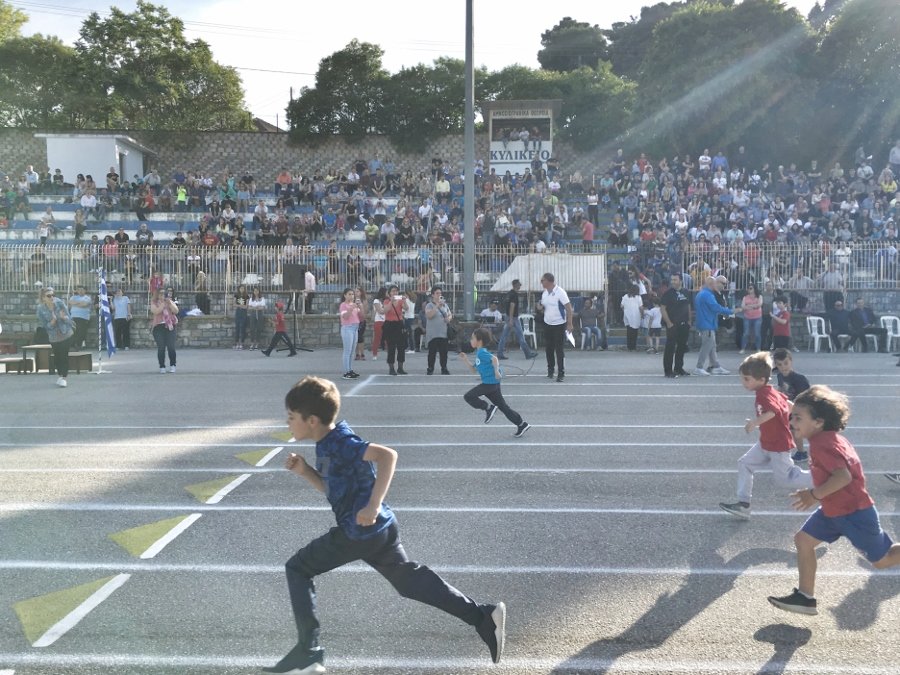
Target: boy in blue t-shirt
488,367
366,528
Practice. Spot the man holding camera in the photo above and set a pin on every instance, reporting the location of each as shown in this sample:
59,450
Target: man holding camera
437,317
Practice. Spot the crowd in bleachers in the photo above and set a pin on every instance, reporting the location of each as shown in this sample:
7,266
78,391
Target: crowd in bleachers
713,203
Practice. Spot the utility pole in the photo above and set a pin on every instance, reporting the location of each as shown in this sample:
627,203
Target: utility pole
469,168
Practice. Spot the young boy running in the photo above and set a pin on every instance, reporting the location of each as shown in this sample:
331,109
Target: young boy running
773,450
790,383
488,367
845,509
366,528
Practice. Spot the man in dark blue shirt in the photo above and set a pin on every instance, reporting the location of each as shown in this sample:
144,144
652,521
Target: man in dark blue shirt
863,322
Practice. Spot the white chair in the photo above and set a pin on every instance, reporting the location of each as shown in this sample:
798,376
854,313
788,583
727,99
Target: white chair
815,325
527,321
892,325
867,336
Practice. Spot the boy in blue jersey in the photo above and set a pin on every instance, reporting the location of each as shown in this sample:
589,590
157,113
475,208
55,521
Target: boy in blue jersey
488,367
366,528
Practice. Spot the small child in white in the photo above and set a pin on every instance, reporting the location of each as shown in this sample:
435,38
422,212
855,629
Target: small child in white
488,367
653,317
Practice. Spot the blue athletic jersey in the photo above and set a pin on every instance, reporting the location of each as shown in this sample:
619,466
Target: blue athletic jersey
348,481
485,366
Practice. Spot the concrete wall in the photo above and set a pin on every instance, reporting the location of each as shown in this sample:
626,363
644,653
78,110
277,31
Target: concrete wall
258,153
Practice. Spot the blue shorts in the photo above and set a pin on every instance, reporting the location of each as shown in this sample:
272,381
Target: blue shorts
860,527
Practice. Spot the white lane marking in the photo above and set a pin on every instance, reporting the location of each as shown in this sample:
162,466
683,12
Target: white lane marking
270,455
657,385
170,536
70,620
479,426
455,444
7,672
413,469
642,396
355,568
361,385
221,494
15,507
625,664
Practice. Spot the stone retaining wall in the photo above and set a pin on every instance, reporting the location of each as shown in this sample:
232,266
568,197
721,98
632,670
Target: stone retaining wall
260,153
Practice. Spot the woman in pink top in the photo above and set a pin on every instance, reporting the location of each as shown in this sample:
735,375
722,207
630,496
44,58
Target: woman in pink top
752,306
351,312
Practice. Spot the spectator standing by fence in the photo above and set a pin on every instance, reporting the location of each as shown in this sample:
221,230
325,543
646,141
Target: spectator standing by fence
256,311
394,324
53,317
121,306
80,310
676,314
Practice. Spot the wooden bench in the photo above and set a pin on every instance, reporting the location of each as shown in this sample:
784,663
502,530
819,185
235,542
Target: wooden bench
17,364
79,361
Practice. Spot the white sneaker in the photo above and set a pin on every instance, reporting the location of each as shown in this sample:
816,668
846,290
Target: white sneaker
741,352
700,371
410,351
162,371
61,382
719,370
171,369
374,358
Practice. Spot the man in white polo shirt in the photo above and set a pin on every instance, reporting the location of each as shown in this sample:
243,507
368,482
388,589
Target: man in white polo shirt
557,311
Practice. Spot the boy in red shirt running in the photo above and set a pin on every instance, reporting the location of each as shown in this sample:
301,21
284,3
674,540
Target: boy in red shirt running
845,508
773,450
280,332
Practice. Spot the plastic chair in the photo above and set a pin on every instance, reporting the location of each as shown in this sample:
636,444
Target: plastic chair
892,325
527,321
815,325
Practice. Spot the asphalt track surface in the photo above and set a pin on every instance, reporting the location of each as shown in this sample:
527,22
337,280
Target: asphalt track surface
599,528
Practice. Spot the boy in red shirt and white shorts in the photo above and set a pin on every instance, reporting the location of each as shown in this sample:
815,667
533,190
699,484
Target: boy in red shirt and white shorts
845,508
773,450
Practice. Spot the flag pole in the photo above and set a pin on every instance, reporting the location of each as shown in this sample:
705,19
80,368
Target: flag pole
100,370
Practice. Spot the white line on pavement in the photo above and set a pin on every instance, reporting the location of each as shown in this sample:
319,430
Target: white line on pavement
354,568
265,460
547,383
623,664
7,672
170,536
220,495
456,444
14,507
361,385
414,469
72,619
561,387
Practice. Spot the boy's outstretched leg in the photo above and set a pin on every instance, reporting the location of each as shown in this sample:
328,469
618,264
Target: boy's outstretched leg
418,582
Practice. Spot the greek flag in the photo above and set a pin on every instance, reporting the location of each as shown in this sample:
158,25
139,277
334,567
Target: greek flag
106,316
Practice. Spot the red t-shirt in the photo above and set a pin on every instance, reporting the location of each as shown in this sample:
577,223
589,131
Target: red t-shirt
782,329
828,452
279,322
775,435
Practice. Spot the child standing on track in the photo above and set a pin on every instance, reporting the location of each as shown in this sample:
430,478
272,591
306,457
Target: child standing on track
488,367
355,476
845,508
773,450
791,384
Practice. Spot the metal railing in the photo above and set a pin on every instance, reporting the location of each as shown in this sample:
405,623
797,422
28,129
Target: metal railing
860,266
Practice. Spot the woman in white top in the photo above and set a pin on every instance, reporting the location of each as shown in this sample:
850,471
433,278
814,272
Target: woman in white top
632,310
256,307
377,321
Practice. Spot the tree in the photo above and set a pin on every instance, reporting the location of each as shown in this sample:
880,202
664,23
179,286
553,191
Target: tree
570,45
716,73
347,97
38,78
11,21
629,42
146,75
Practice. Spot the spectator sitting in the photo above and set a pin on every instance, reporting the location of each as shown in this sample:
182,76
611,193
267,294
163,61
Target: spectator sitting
839,323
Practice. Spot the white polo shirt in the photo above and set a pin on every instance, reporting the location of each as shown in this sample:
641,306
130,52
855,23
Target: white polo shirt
554,303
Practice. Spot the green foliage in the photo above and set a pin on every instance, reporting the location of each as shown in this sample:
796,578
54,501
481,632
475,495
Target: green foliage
36,73
629,42
147,75
347,98
714,68
11,21
570,45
